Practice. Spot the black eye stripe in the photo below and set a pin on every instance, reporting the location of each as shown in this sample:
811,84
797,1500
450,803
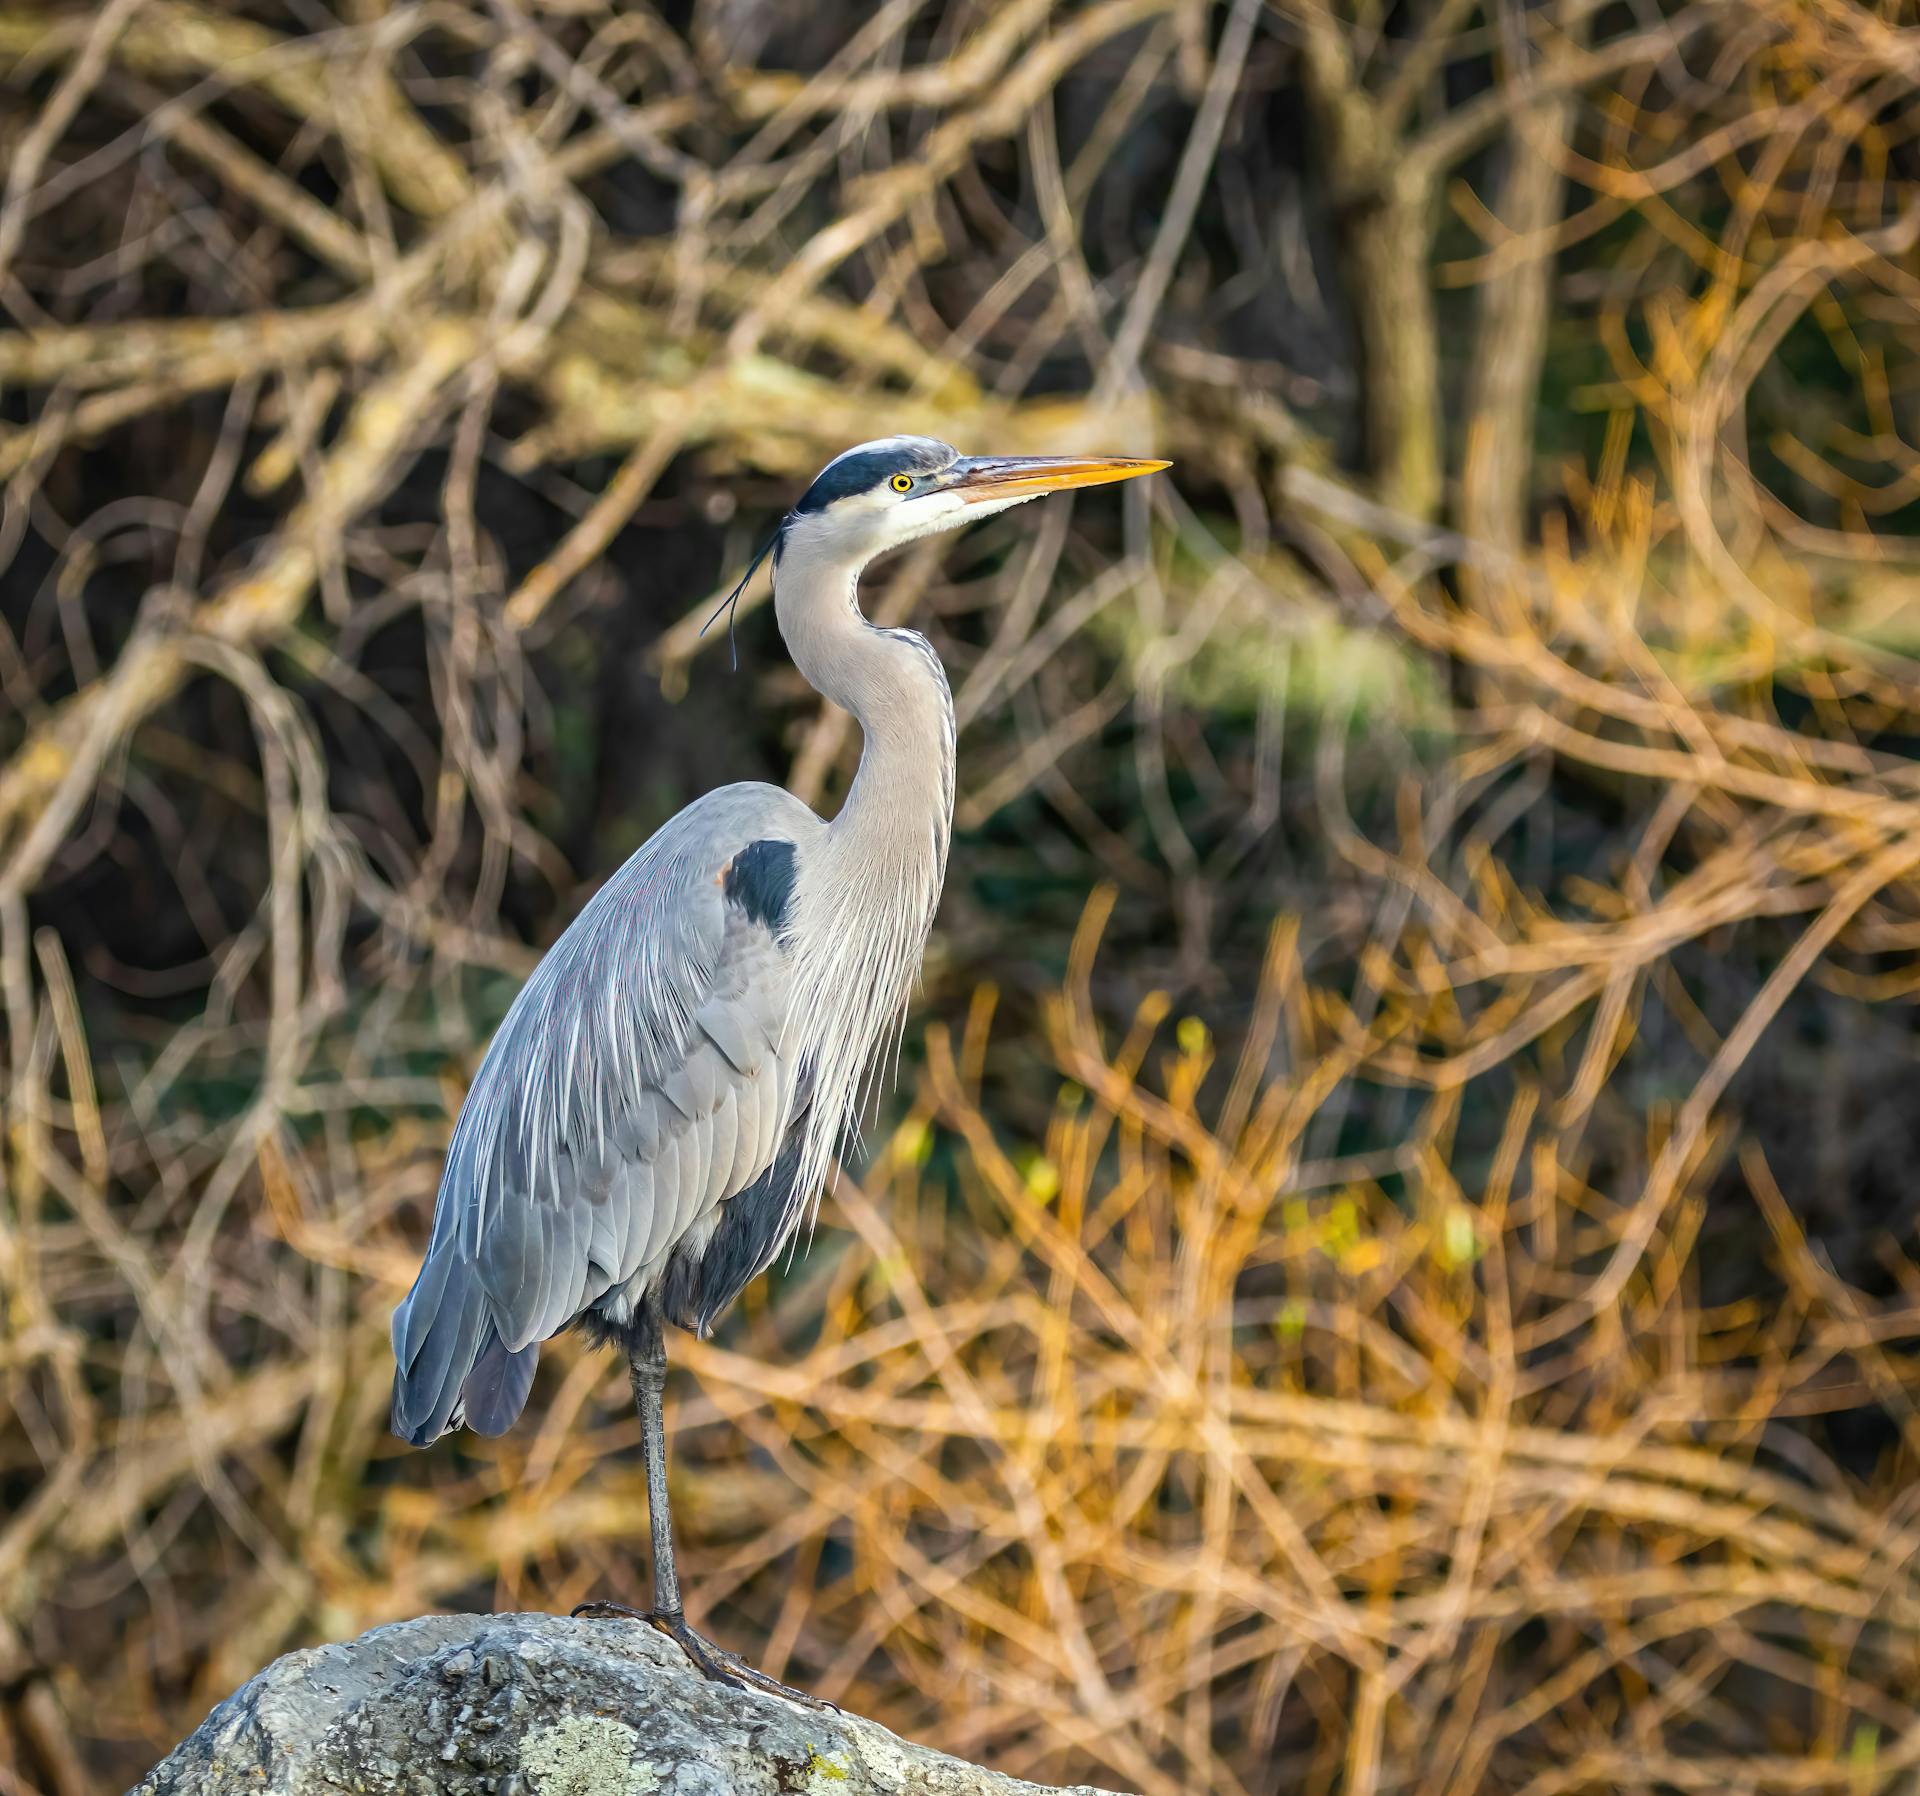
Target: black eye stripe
866,469
849,475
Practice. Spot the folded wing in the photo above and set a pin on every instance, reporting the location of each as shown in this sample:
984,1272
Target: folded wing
636,1085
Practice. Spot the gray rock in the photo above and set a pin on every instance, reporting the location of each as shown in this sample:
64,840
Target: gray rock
536,1705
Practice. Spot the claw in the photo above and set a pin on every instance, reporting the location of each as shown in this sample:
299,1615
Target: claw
713,1662
601,1611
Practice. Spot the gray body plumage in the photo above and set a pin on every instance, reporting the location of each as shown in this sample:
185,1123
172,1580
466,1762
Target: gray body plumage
642,1081
658,1112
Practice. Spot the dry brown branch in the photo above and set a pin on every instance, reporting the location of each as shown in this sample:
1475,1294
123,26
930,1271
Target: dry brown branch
52,774
1431,1304
331,80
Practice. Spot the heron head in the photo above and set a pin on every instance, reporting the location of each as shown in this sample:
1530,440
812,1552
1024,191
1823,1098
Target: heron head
889,492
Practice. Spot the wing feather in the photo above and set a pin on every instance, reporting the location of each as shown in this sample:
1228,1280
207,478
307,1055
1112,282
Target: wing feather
725,1127
681,1092
692,1202
667,1175
773,1112
632,1086
727,1025
411,1327
608,1214
644,1128
636,1177
572,1230
496,1389
697,1173
525,1290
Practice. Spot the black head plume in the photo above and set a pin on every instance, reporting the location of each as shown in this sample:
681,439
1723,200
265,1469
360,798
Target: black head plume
732,600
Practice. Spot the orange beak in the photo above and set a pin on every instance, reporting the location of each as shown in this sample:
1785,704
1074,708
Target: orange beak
981,477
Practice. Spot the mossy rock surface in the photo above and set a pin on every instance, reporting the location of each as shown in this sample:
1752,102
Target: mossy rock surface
536,1705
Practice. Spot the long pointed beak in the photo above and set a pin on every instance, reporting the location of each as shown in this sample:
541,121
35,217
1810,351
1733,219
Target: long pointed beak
980,477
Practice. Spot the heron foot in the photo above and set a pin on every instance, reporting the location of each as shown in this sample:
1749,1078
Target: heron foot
713,1662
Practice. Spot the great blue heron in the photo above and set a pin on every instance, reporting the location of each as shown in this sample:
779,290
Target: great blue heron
660,1107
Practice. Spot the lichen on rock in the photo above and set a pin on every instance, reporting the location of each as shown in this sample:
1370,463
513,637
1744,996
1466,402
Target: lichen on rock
536,1705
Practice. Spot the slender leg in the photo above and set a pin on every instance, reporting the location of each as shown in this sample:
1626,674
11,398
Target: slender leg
647,1367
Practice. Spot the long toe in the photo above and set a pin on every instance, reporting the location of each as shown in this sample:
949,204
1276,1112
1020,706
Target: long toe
711,1660
713,1663
723,1667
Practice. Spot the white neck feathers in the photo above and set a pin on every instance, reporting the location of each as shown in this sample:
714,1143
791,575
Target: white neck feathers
864,901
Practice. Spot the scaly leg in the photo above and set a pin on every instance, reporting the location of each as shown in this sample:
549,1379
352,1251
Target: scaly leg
647,1366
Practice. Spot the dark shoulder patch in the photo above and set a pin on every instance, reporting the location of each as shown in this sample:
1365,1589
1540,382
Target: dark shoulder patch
760,880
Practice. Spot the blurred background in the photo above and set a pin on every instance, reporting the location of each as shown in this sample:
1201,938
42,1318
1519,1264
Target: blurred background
1392,1261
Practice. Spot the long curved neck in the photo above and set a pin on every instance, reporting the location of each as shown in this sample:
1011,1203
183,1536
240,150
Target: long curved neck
900,806
864,900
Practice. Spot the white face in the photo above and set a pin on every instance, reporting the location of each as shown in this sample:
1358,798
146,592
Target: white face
889,492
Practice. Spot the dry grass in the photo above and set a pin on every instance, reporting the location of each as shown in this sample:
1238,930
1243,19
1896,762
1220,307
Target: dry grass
1467,1341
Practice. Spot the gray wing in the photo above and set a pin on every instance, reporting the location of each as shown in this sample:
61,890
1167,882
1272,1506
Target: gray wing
635,1083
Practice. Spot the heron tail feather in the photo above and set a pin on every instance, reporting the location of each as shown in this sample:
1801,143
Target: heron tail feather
445,1321
496,1389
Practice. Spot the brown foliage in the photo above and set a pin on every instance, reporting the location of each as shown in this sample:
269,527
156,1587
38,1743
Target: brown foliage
1421,1365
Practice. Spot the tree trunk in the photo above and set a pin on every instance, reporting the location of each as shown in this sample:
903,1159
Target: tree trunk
1510,344
535,1705
1382,200
1388,240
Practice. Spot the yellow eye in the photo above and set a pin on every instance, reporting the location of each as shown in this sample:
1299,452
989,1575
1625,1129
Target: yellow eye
901,483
